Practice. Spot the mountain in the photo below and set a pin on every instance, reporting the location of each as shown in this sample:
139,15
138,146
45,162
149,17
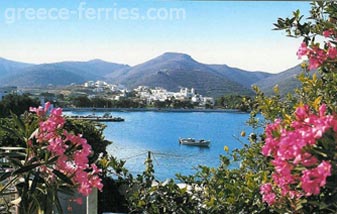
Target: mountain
245,78
96,68
169,70
175,70
42,75
285,80
62,73
8,67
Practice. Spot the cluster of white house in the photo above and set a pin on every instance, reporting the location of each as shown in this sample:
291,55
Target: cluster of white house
160,94
99,86
151,95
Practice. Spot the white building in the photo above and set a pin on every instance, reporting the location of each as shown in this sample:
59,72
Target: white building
89,84
100,84
208,100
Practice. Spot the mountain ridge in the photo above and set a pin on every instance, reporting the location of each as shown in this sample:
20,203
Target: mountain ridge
170,70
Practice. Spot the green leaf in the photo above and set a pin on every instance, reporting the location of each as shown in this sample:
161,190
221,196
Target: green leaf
35,181
26,168
5,175
63,177
13,154
51,160
15,162
18,122
13,131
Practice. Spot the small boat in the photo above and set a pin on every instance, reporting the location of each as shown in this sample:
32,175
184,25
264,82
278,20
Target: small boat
194,142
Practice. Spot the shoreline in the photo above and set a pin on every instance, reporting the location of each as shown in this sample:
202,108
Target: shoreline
151,109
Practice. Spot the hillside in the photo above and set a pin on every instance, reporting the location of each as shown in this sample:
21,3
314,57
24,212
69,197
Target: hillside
245,78
42,75
62,73
286,81
175,70
9,67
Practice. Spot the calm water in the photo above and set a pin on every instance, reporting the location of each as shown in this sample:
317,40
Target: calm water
159,132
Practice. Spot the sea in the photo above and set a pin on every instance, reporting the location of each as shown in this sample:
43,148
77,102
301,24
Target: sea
159,132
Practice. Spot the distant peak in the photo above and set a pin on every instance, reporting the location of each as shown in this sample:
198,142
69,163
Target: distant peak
96,60
175,56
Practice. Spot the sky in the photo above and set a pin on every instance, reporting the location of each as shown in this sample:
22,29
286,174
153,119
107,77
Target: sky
236,33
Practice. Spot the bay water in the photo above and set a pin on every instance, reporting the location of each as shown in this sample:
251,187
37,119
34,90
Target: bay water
159,132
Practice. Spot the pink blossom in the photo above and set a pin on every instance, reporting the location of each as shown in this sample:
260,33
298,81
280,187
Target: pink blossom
95,169
328,33
332,52
81,159
95,181
303,50
308,160
84,188
71,151
316,57
289,148
267,193
39,111
56,146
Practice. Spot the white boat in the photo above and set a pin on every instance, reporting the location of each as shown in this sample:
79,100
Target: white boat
194,142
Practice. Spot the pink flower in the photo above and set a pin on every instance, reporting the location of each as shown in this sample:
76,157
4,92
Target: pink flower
85,189
308,160
95,181
303,50
332,52
39,111
56,146
322,110
95,169
267,194
71,151
324,169
328,33
302,112
316,56
313,179
290,147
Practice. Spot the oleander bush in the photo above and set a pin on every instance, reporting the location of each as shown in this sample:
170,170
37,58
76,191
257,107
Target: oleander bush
51,160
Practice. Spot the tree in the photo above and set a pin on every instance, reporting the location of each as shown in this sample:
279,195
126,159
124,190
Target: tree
82,101
17,104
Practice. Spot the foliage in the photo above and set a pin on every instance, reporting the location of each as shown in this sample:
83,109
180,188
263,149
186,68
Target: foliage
91,131
143,194
116,180
300,135
100,102
16,104
234,102
52,160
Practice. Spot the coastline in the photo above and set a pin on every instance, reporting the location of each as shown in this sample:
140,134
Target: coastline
151,109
